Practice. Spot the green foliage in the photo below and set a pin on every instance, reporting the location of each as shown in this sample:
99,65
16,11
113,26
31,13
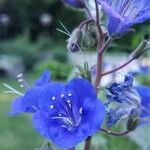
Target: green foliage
59,71
22,47
144,79
16,133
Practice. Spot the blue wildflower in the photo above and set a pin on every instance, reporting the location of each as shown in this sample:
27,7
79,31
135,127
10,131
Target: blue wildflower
75,3
68,113
28,102
123,100
122,14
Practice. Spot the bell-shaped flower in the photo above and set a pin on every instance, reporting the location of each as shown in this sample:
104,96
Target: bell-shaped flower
123,14
68,113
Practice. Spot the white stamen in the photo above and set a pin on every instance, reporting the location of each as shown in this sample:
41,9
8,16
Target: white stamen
69,94
52,106
60,114
62,95
80,110
53,98
68,101
19,75
69,105
12,89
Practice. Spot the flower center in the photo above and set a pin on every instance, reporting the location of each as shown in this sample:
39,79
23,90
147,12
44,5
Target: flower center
68,114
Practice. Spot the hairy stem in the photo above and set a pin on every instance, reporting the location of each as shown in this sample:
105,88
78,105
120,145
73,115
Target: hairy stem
99,63
115,133
100,48
118,68
85,22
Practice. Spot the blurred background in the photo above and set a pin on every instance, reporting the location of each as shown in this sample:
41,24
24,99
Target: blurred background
29,43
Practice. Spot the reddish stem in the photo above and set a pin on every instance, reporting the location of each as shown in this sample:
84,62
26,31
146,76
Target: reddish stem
118,68
115,133
99,63
101,48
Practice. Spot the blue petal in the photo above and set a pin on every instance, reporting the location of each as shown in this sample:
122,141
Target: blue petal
93,114
82,88
114,115
144,93
16,106
44,79
43,124
60,136
30,100
51,94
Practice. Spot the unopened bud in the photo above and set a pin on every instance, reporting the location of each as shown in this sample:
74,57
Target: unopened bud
132,123
74,40
140,50
89,35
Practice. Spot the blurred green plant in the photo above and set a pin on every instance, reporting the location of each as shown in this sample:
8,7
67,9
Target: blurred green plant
58,70
21,47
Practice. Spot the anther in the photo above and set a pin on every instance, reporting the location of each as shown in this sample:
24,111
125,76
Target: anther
53,98
69,94
60,114
52,106
68,101
62,95
80,110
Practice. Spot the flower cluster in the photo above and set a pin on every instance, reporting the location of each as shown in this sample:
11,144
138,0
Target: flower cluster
64,113
123,14
68,114
124,100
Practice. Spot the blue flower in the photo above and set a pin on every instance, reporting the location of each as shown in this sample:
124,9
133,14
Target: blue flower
28,102
75,3
68,113
123,100
122,14
144,92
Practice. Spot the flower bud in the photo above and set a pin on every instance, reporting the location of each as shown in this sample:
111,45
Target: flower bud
75,3
132,123
89,35
74,40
